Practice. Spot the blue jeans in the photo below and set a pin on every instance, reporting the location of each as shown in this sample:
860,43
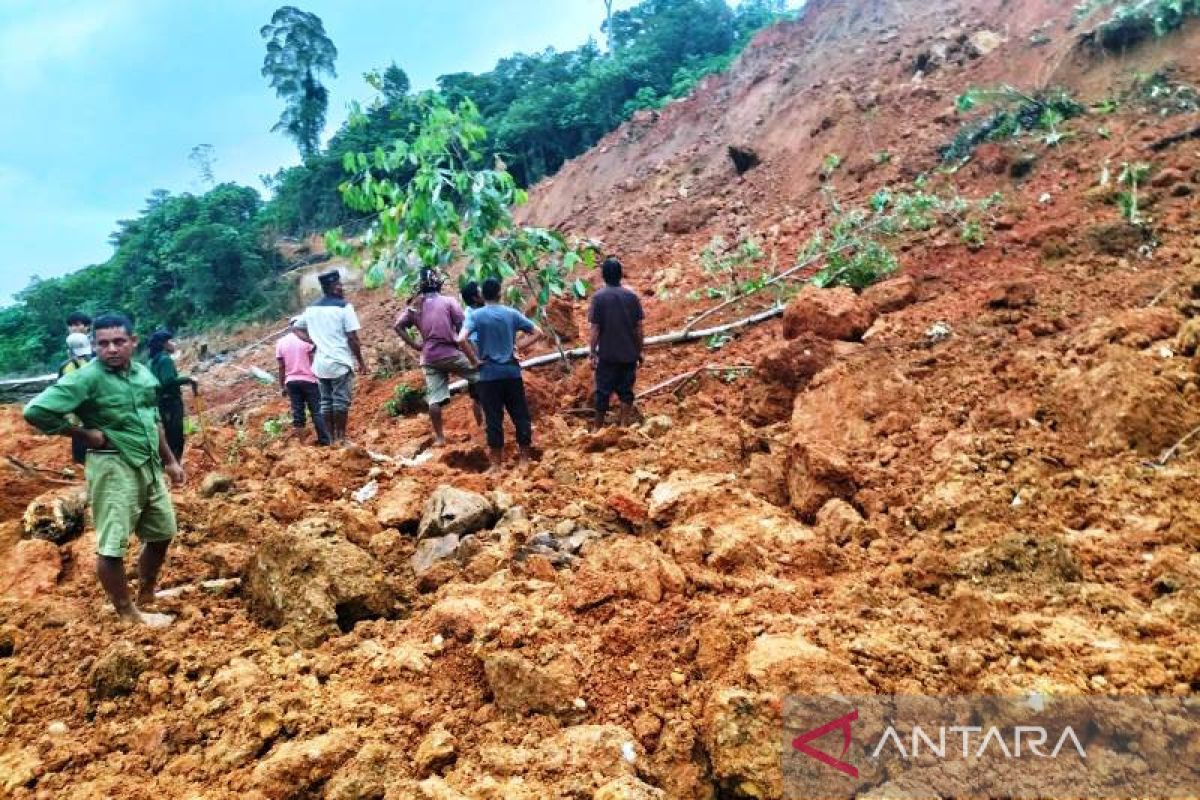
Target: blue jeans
307,396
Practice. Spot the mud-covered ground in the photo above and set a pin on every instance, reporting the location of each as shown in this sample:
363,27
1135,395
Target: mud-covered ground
982,511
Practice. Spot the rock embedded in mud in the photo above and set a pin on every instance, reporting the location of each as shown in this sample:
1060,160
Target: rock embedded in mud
295,769
30,569
215,483
116,671
436,751
840,523
891,295
401,505
1012,294
793,362
314,583
57,516
624,567
816,474
431,551
741,732
628,788
518,685
836,313
450,510
684,492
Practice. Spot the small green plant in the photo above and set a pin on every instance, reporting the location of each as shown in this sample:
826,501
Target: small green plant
1016,113
234,457
717,340
404,400
190,426
275,426
855,246
1131,177
830,164
731,268
882,157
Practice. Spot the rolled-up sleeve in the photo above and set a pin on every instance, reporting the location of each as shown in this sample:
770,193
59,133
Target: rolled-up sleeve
48,411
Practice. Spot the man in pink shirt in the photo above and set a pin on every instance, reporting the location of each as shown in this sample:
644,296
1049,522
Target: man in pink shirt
438,318
294,352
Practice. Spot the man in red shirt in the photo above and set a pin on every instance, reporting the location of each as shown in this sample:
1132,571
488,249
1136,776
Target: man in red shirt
294,353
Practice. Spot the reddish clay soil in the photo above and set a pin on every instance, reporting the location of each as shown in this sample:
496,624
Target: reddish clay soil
978,512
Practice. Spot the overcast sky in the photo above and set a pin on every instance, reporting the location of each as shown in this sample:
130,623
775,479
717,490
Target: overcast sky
102,100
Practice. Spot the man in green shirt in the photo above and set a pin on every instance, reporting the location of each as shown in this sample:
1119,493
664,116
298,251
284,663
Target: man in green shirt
116,400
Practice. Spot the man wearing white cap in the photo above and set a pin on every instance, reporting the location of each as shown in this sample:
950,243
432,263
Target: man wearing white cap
294,354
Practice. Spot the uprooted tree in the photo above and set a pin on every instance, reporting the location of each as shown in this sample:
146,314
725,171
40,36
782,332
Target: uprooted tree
431,203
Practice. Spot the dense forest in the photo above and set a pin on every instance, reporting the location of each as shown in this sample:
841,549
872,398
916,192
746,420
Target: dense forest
190,261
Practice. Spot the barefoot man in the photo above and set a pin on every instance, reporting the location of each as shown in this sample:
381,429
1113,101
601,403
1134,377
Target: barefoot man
116,399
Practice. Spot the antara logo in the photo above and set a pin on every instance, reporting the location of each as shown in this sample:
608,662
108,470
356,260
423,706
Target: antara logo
800,743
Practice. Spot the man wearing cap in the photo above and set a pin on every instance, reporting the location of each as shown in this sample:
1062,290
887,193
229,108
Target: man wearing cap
439,319
79,353
333,327
294,353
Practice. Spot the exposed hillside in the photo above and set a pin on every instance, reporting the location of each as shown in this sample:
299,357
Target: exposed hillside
954,482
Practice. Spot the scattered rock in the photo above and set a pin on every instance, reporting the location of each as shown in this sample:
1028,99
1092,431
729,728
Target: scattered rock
523,687
1187,342
315,583
791,664
793,362
1168,177
17,769
683,492
57,516
840,523
30,569
401,505
628,788
430,551
981,43
436,751
455,511
689,216
836,313
116,671
891,295
1013,294
215,483
624,567
295,769
816,474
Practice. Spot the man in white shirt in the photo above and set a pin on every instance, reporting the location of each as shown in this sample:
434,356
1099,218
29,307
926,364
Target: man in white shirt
333,327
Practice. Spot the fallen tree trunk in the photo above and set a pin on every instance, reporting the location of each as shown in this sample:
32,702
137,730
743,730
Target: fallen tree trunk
674,337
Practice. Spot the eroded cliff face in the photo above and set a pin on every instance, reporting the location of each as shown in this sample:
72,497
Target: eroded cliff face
967,497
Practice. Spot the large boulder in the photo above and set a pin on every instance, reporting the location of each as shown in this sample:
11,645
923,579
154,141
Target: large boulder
30,570
624,567
891,295
455,511
57,516
836,313
314,583
816,474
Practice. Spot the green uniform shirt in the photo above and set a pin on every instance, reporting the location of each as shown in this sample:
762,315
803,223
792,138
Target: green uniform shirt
124,405
163,367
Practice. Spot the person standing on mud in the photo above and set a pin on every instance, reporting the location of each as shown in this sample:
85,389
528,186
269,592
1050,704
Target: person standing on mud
294,353
79,353
616,343
333,327
170,399
501,388
116,400
438,318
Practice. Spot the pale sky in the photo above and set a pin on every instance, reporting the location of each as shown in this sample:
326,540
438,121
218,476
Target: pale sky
104,99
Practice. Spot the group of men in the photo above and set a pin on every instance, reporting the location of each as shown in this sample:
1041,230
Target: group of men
116,410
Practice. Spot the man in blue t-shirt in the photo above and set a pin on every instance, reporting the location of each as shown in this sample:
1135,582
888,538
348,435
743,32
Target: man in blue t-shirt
493,330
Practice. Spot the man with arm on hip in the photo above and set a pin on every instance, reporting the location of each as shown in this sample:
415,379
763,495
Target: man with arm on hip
333,327
116,400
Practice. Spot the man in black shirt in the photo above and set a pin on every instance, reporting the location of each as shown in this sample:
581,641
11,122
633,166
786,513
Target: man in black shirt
616,343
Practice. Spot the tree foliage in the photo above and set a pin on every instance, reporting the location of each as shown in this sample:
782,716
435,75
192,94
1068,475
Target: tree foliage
185,262
298,54
434,203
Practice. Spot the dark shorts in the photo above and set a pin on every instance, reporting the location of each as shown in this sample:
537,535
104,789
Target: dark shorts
614,377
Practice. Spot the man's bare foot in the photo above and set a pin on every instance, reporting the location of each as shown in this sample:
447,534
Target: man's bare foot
147,618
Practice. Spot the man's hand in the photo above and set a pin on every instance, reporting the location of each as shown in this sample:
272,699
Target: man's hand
195,386
175,472
594,360
94,439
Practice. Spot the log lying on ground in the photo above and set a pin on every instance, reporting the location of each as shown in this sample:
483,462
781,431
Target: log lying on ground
675,337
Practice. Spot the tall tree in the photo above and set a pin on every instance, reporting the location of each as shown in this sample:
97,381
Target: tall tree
298,53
